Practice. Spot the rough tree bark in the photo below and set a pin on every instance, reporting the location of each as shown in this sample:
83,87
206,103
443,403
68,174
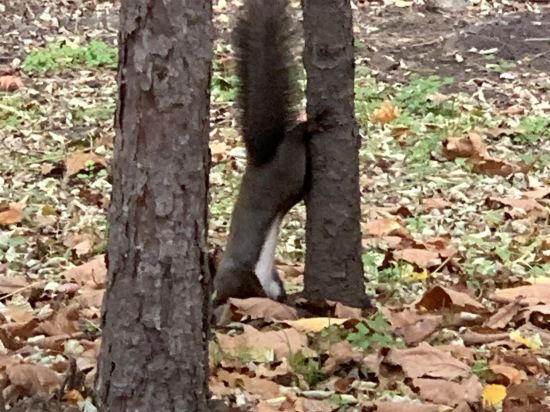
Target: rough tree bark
333,238
155,319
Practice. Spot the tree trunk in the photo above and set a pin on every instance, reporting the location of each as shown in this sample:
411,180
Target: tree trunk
155,318
334,268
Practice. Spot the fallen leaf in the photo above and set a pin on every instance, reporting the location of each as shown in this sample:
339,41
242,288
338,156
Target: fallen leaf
411,325
435,203
439,297
384,227
93,272
420,257
81,243
514,109
263,346
10,284
10,83
427,361
79,161
449,393
63,322
314,324
527,294
347,312
513,375
493,395
491,166
340,353
263,308
11,214
20,310
386,113
387,406
504,315
527,205
532,342
257,386
33,378
471,146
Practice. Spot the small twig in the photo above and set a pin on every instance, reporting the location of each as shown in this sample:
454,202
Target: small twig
16,291
437,269
534,39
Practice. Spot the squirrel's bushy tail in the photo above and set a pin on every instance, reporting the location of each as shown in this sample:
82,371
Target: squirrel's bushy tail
266,70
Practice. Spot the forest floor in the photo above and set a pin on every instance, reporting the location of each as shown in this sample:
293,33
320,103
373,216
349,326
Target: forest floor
453,109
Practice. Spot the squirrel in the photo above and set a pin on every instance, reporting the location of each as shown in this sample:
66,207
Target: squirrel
275,176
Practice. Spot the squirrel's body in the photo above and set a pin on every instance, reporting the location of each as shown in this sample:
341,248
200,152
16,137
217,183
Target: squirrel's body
274,179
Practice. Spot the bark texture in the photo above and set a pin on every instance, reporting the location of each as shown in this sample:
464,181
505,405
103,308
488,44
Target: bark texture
156,318
334,268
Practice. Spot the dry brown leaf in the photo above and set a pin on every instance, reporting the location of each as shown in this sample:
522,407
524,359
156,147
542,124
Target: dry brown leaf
439,297
10,83
340,353
539,315
512,374
259,345
386,113
420,257
491,166
11,213
33,378
384,227
315,405
471,146
414,327
528,294
462,353
504,315
471,337
7,360
540,193
20,312
384,242
91,296
265,371
62,322
263,308
257,386
514,109
81,243
347,312
23,330
93,272
449,393
79,161
438,98
10,284
526,205
427,361
435,203
442,245
386,406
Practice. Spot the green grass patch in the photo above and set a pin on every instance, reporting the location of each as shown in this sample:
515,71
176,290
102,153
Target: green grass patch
59,56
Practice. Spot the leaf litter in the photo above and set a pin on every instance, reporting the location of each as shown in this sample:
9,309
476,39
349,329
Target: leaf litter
455,194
